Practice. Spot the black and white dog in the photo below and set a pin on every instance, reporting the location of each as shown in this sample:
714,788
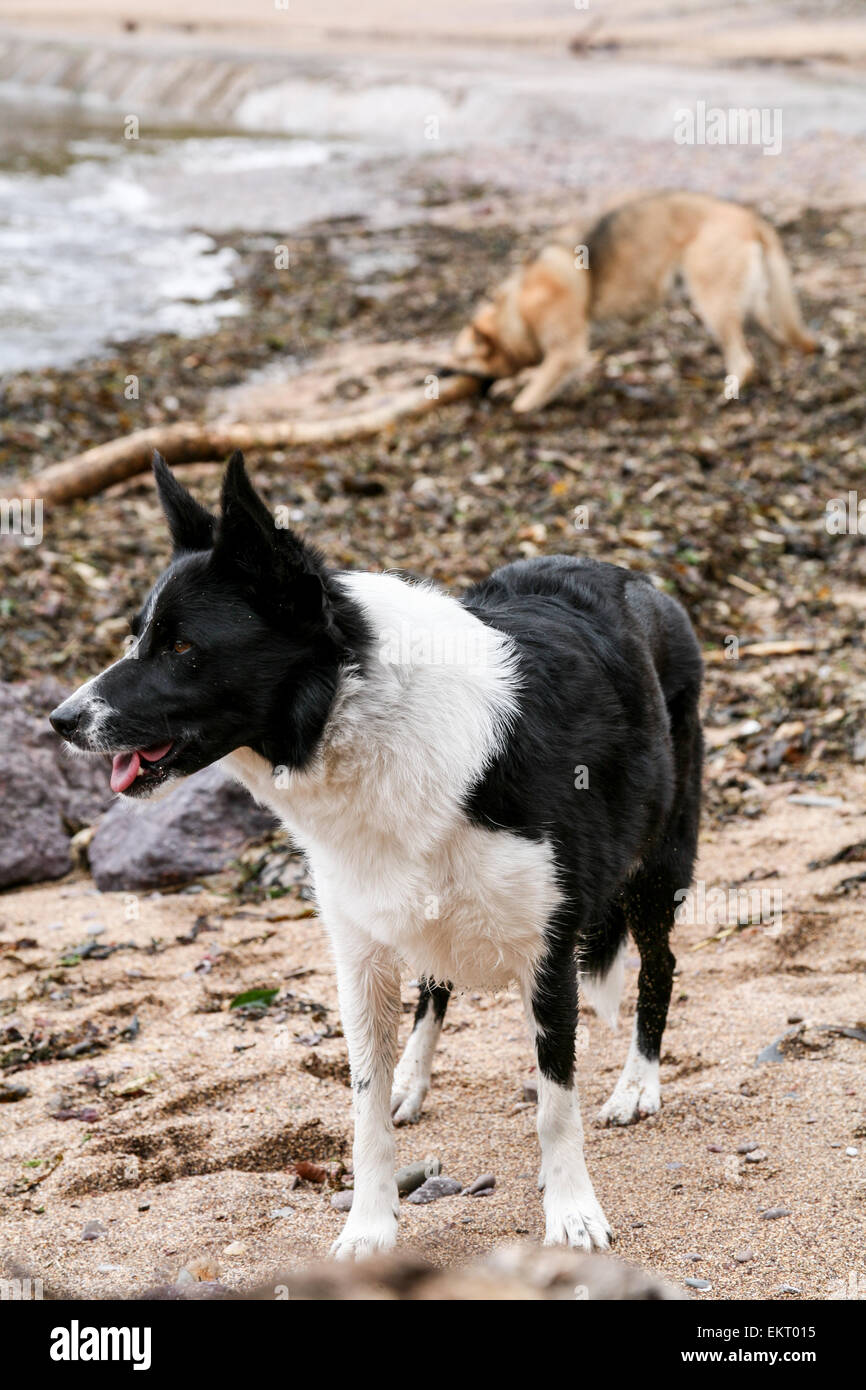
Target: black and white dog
490,790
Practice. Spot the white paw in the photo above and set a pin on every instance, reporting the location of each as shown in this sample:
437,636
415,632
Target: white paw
631,1102
360,1237
406,1105
577,1220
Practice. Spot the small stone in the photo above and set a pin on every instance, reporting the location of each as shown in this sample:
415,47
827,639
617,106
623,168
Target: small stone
852,1151
743,1257
746,1148
144,1206
342,1201
13,1090
412,1176
672,1167
200,1269
795,1018
702,1284
773,1213
789,1288
237,1247
280,1212
756,1156
694,1257
433,1189
814,799
715,1149
481,1187
110,1269
93,1230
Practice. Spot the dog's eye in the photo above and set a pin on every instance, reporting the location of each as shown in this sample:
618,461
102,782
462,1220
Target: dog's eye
180,646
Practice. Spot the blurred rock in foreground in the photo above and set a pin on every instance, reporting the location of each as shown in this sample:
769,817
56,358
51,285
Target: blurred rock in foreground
514,1272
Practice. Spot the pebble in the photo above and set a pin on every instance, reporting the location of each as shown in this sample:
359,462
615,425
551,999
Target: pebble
282,1211
852,1151
110,1269
715,1149
237,1247
746,1148
672,1167
481,1187
702,1284
813,799
93,1230
743,1257
756,1156
788,1288
694,1257
433,1189
412,1176
342,1201
773,1213
144,1206
13,1090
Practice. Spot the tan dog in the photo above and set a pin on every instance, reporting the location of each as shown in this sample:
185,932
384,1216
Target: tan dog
536,326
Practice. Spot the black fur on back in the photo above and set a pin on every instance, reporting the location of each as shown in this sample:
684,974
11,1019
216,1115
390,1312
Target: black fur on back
610,679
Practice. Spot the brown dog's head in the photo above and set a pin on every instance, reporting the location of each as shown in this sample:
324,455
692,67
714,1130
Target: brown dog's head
479,348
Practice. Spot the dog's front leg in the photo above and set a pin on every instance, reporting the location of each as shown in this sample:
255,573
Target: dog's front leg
368,981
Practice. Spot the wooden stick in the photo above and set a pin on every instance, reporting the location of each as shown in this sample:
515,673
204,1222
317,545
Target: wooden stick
189,442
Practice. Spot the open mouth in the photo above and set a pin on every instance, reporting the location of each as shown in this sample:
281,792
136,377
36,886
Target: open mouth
141,762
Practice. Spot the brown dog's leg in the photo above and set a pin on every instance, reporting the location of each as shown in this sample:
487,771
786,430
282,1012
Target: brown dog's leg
720,290
550,377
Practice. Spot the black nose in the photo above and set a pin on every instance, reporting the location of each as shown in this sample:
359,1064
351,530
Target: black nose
64,723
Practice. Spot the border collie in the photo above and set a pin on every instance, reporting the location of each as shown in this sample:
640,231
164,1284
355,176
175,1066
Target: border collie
489,790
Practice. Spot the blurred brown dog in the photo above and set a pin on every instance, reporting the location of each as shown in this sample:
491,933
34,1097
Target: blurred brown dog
536,326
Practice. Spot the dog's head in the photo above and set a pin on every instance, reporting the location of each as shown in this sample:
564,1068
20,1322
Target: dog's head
238,645
479,348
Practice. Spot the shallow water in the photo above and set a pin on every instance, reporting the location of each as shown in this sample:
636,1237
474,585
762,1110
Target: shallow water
104,238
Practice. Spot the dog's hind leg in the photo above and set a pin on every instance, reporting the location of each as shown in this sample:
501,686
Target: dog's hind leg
721,281
649,907
572,1214
412,1077
368,983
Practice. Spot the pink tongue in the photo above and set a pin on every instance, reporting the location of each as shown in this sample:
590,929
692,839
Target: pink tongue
124,768
124,771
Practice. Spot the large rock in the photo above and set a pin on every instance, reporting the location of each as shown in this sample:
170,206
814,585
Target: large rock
47,792
197,828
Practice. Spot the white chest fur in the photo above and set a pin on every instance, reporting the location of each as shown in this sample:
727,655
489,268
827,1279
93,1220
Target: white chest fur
379,813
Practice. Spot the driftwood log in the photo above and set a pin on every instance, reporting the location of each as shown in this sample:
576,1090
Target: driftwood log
189,442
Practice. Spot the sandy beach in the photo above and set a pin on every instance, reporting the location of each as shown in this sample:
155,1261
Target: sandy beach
185,1119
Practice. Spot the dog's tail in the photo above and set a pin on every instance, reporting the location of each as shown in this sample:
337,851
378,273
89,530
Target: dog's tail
783,310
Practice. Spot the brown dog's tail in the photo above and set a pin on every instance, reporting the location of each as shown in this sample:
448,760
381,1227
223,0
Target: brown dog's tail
782,306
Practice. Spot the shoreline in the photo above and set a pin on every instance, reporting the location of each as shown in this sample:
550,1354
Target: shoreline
633,27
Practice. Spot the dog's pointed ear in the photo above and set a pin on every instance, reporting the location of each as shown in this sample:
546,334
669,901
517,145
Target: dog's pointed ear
191,525
283,576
